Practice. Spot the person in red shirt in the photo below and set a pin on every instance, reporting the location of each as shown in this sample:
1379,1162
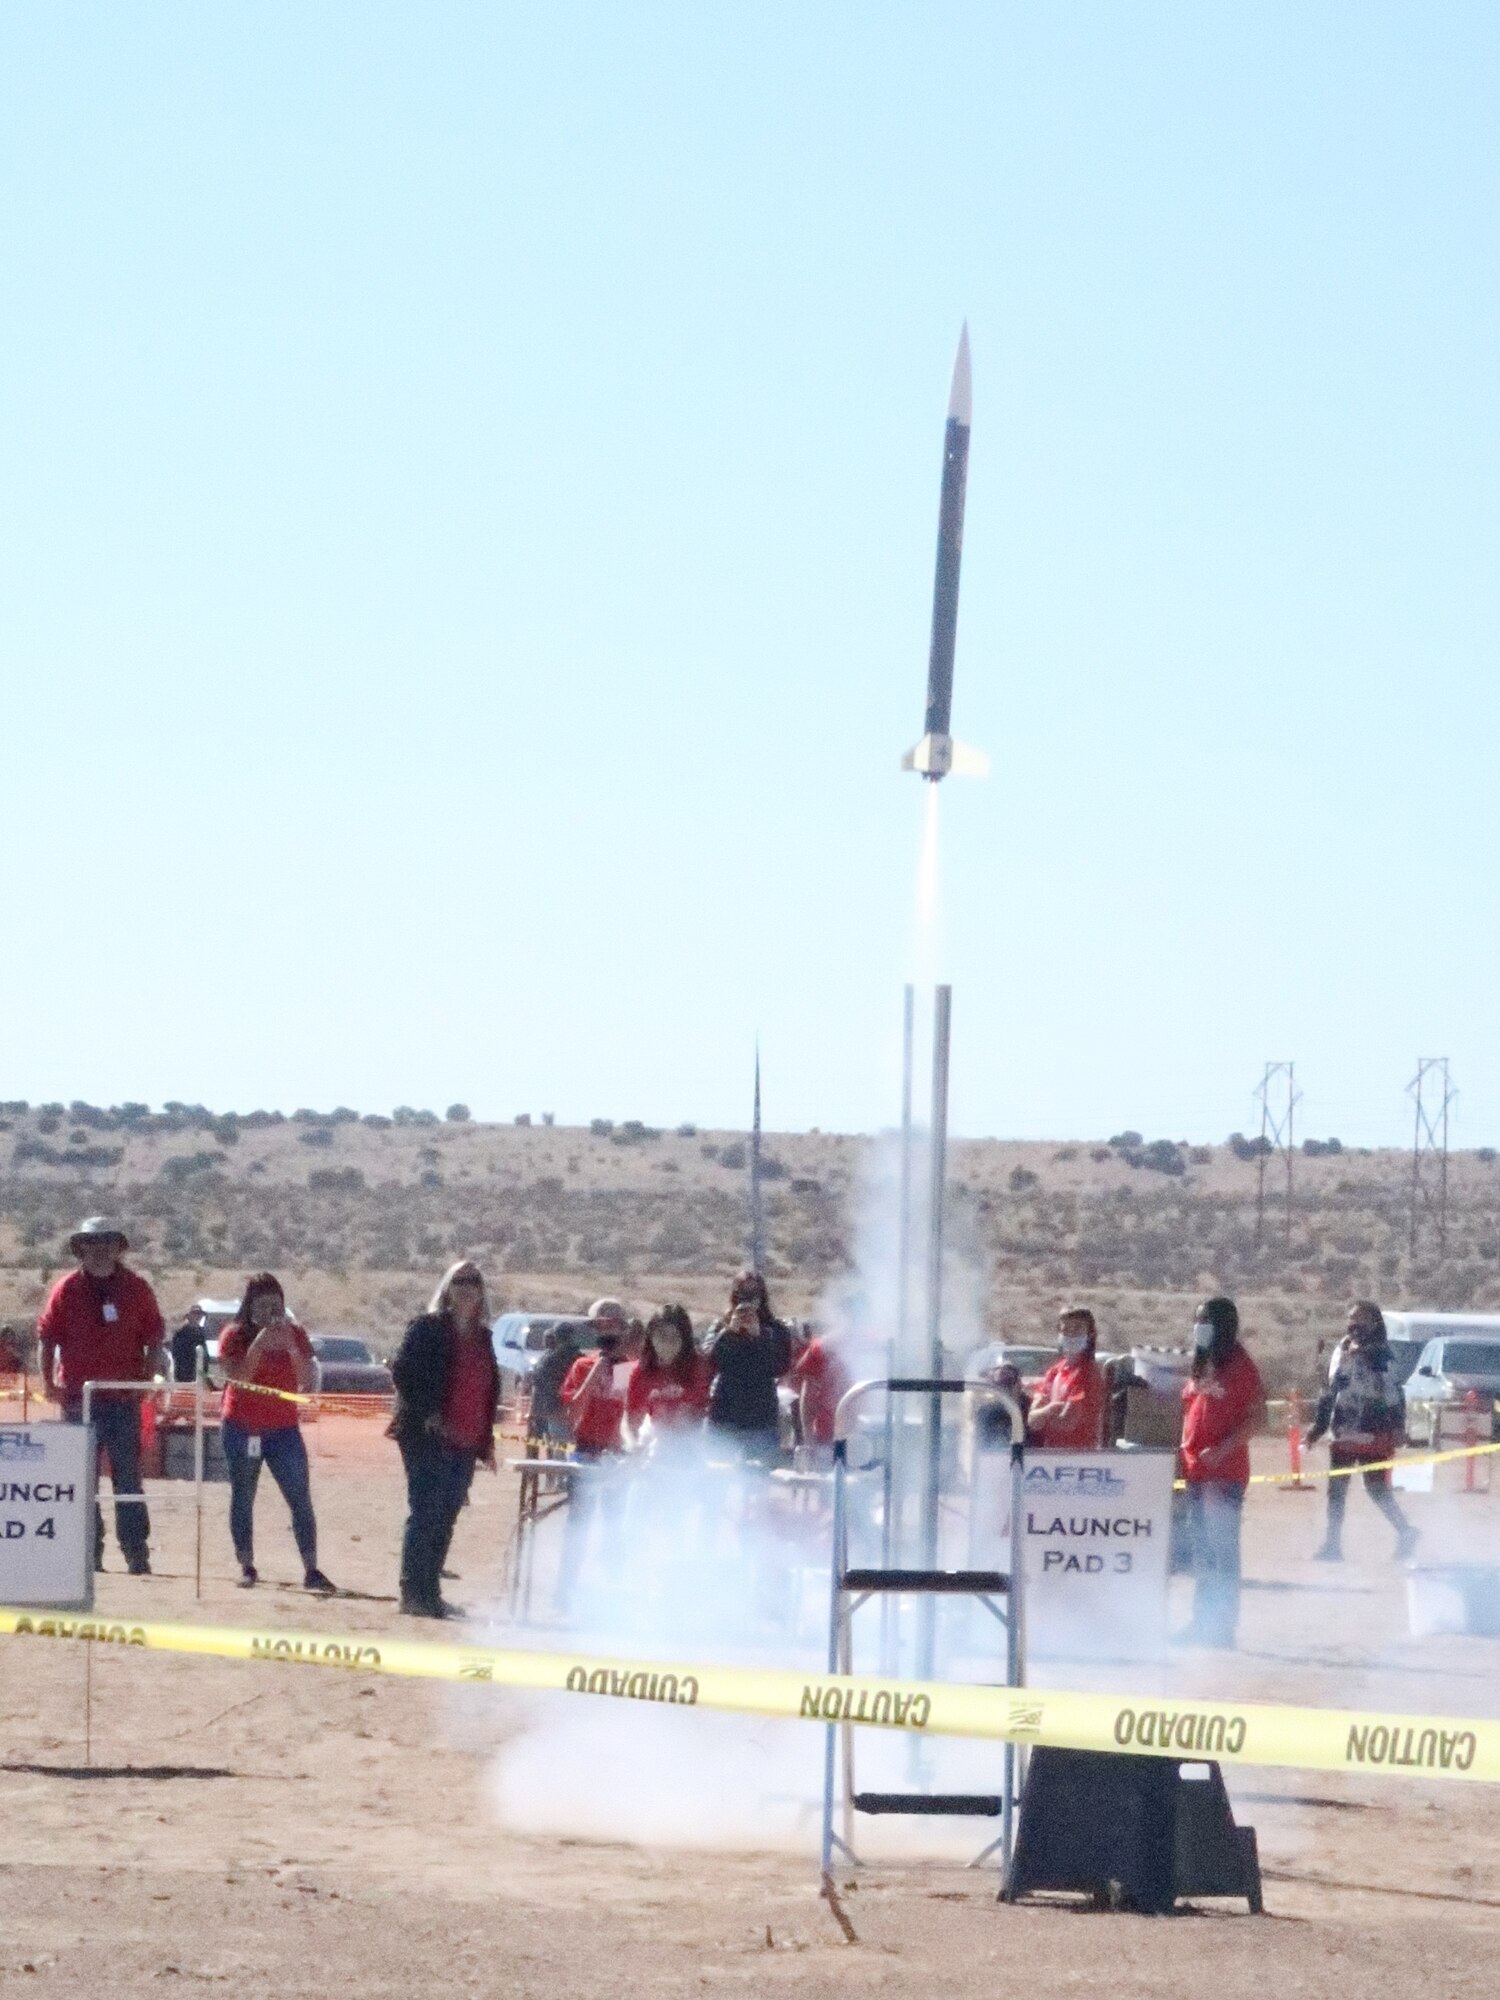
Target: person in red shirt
1225,1405
669,1384
593,1390
1067,1412
820,1378
593,1400
447,1398
102,1324
263,1349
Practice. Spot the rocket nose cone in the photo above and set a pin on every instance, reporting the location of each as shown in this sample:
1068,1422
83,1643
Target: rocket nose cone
961,394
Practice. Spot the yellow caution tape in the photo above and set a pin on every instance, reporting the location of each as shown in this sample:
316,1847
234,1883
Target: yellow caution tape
1308,1473
362,1404
1365,1741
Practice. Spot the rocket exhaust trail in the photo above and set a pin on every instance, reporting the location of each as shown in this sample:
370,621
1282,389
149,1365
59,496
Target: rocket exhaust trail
937,753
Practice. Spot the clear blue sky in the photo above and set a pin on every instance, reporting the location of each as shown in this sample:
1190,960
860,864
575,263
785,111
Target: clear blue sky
469,488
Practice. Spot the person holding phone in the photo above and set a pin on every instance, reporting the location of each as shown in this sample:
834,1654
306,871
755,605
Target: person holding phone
750,1350
593,1397
263,1349
1363,1413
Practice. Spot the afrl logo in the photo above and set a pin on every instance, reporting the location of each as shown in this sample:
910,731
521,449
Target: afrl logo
1079,1479
20,1444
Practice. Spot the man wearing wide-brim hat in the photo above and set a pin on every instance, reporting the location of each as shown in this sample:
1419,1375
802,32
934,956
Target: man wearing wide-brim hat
102,1324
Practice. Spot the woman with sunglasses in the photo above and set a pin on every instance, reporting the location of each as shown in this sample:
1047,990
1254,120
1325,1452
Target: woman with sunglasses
447,1394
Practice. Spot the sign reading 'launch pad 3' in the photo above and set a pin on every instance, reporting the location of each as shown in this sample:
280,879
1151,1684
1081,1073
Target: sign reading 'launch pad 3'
1097,1534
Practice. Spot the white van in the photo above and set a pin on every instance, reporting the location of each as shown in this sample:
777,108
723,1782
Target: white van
1424,1326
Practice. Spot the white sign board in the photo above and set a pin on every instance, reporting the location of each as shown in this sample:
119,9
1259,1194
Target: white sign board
1098,1541
47,1477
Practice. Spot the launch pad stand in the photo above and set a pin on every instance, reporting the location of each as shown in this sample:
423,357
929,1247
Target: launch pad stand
1001,1595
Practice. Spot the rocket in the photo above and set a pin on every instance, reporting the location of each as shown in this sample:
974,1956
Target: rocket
937,754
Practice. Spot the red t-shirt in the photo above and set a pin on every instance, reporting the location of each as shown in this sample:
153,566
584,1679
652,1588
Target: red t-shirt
104,1328
595,1416
1218,1402
468,1407
826,1378
673,1398
277,1371
1076,1381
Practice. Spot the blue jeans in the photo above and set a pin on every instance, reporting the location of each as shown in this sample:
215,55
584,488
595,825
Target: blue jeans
117,1427
286,1455
438,1477
1214,1513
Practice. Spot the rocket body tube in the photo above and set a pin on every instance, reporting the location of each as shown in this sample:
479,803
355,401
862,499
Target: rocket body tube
937,754
950,550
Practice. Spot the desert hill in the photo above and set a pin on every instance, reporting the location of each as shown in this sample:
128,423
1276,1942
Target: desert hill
358,1214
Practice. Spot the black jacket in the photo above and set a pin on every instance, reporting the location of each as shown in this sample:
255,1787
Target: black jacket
421,1369
747,1367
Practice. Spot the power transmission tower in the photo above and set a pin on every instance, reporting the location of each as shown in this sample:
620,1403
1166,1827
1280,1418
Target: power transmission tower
1278,1097
1432,1092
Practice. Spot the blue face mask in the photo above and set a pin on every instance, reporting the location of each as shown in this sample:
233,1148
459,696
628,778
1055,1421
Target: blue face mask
1203,1335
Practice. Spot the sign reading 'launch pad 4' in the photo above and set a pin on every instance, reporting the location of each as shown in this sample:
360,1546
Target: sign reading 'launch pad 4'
46,1514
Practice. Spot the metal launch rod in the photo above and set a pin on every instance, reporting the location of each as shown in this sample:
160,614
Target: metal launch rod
942,1028
898,1349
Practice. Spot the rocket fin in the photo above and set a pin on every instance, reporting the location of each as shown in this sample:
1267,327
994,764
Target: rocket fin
936,756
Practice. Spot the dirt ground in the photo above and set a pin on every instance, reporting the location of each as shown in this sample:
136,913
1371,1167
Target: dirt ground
299,1831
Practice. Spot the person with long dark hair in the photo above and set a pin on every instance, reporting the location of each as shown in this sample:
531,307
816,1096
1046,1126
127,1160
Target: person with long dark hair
1225,1405
1363,1412
1068,1411
669,1384
447,1395
749,1350
263,1349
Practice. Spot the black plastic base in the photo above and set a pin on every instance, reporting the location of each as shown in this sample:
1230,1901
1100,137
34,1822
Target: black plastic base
1130,1832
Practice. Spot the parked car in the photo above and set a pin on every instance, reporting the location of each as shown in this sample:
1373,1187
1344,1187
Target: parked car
520,1340
1031,1361
347,1367
1444,1375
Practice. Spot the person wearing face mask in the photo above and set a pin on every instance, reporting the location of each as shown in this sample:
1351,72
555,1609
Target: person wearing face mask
749,1351
101,1323
1225,1405
1363,1413
1067,1413
593,1400
593,1390
669,1383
